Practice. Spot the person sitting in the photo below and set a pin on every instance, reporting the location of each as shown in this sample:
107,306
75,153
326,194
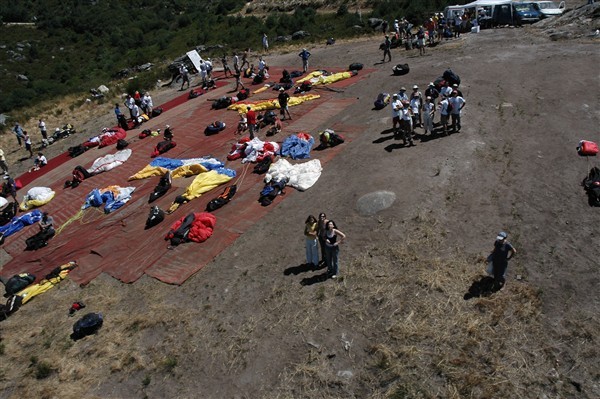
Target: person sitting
276,128
168,135
39,162
242,124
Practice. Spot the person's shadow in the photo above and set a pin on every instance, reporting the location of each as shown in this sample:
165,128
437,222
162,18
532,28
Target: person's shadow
483,287
318,278
303,268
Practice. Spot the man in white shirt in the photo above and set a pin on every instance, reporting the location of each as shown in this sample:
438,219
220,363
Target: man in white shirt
444,113
396,112
147,104
458,103
407,125
42,126
402,94
428,114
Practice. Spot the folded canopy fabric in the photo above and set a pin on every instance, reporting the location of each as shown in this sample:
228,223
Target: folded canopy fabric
318,78
178,167
36,197
300,176
203,183
297,146
44,285
272,103
112,197
18,222
110,161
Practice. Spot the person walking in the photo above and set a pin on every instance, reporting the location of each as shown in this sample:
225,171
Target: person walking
238,80
251,116
265,42
311,241
226,68
283,99
333,239
305,55
245,58
458,103
387,45
502,252
43,131
3,163
18,131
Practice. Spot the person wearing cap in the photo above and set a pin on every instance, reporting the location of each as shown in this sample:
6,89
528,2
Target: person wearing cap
432,92
458,103
415,109
9,187
43,130
502,252
147,104
455,88
251,116
416,93
402,94
387,45
396,113
406,125
283,99
428,115
305,55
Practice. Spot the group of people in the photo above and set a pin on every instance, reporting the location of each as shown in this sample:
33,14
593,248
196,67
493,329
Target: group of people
323,233
415,110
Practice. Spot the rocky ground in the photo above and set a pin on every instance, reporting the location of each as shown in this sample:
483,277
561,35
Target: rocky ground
253,323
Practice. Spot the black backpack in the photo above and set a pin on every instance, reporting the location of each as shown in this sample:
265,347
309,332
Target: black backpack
155,216
355,66
222,199
156,111
451,77
18,282
591,185
263,166
87,325
122,144
401,69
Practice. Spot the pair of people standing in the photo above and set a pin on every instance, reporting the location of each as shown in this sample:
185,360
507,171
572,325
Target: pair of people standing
323,232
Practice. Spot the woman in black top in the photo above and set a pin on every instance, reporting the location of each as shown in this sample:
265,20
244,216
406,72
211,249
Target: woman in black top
333,239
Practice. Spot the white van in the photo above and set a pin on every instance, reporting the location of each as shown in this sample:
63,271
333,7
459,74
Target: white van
549,8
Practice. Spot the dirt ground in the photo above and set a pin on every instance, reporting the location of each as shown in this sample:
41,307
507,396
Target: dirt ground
255,324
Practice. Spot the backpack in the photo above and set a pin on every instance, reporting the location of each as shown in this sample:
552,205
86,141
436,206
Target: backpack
357,66
591,185
587,148
222,199
243,94
222,102
451,77
157,111
193,94
164,184
144,133
8,213
400,69
13,304
18,282
155,216
263,166
39,240
122,144
87,325
77,150
382,100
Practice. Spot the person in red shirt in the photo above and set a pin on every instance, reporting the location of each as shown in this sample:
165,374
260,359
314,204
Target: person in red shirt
251,116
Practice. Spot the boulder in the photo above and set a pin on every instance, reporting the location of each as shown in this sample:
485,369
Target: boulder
22,78
375,22
103,89
301,34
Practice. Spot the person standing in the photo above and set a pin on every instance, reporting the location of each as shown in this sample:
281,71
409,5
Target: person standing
396,113
305,55
251,116
502,252
185,77
18,131
226,68
458,103
321,228
238,80
406,125
387,45
283,99
333,239
444,104
9,187
428,115
432,92
147,104
43,131
129,103
265,42
312,243
135,115
384,27
402,94
3,163
236,63
209,68
27,140
245,58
